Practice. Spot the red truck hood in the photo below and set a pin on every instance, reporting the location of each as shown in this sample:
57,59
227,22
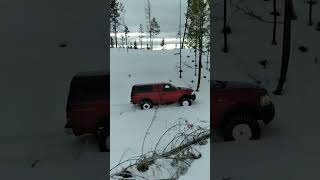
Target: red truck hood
236,84
239,85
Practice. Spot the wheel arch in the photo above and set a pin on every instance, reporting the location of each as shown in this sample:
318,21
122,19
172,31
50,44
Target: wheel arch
145,99
240,109
185,96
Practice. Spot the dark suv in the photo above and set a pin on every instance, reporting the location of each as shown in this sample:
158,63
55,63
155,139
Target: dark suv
236,108
87,109
147,95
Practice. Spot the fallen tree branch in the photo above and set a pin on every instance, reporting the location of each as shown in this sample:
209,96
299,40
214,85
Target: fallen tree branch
182,151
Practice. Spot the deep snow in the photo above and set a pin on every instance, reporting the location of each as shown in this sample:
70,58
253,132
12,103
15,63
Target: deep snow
35,74
129,123
289,146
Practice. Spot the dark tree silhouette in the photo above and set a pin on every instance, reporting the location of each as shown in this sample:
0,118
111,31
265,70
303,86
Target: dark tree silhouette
311,3
154,30
289,15
115,10
275,14
148,17
111,42
163,43
141,34
135,46
126,31
225,33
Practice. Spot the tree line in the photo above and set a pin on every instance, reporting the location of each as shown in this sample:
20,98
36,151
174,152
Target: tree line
117,24
196,33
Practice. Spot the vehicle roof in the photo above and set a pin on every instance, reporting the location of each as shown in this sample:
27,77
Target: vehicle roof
143,84
92,73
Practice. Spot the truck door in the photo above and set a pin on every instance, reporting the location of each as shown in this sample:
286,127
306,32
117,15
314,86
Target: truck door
168,94
156,94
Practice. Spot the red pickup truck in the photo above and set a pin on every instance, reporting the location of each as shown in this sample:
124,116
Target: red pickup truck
87,109
147,95
236,108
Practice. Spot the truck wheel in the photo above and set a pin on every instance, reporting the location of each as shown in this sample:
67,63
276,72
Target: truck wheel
145,105
185,102
241,127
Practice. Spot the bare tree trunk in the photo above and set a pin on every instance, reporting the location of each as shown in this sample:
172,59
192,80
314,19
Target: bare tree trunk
288,15
200,53
141,43
195,62
225,49
207,65
311,3
149,16
310,14
185,25
115,34
126,41
275,15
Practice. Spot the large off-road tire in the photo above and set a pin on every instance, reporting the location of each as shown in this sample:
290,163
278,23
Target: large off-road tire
241,127
145,104
185,102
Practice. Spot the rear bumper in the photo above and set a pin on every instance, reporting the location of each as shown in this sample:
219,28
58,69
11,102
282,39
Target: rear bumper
267,113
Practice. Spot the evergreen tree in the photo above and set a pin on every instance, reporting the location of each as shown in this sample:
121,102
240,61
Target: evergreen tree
126,31
141,34
115,9
135,45
162,43
111,42
198,29
154,29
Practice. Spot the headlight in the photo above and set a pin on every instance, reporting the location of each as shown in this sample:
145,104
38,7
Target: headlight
265,100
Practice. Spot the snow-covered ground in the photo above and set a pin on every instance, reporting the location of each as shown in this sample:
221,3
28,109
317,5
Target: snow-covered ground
129,123
35,75
289,147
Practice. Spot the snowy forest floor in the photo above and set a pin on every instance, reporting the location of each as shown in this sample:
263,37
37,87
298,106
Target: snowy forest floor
289,147
129,123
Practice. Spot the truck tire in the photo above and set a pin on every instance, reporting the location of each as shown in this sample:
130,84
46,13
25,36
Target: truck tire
185,102
241,127
145,104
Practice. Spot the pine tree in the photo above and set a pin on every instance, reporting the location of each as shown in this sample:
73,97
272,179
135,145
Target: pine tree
154,30
115,9
111,42
135,45
162,43
126,31
141,34
122,41
198,29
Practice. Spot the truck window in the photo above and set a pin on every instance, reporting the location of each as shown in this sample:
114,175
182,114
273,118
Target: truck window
88,89
141,89
168,87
